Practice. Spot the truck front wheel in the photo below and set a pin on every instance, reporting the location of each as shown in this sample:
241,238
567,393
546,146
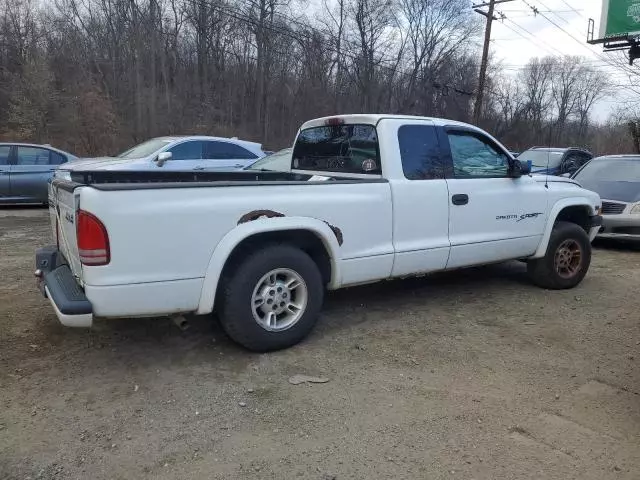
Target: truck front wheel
567,259
272,299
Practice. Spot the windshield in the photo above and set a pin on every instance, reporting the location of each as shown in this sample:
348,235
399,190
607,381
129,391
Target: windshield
539,158
338,148
279,161
601,171
146,148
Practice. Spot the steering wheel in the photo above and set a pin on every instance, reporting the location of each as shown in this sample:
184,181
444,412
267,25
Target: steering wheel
570,165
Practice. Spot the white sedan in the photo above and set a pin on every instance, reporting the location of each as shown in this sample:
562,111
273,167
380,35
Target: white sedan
177,153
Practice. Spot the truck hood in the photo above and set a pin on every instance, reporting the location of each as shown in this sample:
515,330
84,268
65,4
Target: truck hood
554,179
105,163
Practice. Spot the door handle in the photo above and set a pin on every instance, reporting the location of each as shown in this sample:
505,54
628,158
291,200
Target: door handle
198,168
460,199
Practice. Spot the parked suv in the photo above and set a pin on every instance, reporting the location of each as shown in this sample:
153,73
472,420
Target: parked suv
555,161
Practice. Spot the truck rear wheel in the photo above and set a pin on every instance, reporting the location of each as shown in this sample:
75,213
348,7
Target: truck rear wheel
272,299
567,259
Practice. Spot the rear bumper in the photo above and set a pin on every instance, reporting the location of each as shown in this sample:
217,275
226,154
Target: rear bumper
57,283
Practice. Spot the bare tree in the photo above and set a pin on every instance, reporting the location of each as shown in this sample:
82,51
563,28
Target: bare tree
565,78
370,20
536,78
591,87
510,105
95,76
436,32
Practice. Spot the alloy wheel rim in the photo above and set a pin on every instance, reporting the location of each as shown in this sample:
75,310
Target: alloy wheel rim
279,299
568,259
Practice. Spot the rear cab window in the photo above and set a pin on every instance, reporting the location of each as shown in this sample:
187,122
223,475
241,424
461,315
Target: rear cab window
420,152
338,148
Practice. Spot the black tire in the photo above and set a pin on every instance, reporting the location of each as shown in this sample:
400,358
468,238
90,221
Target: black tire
236,309
552,271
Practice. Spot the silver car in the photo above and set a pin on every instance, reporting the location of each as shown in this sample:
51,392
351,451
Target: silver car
176,153
616,179
26,169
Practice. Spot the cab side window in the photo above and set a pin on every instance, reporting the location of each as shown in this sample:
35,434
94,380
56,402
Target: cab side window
189,150
226,151
32,156
420,152
474,156
5,150
57,158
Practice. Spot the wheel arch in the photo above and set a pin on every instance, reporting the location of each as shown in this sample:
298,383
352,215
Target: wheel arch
578,210
314,236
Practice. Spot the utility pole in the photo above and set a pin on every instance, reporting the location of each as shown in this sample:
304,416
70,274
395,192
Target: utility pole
477,109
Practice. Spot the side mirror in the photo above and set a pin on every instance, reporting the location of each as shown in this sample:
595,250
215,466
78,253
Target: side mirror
162,158
515,169
566,175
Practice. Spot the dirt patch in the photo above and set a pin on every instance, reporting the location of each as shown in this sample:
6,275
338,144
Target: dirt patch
473,374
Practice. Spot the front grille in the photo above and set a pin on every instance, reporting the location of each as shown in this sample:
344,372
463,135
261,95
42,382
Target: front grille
611,208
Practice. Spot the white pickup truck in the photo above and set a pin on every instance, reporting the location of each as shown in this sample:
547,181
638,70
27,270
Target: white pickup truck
368,198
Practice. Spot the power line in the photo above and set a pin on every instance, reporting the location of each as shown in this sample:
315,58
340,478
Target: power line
574,38
549,48
573,9
596,64
528,10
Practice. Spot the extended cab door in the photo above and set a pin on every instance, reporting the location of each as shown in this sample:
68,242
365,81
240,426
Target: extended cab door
492,216
416,171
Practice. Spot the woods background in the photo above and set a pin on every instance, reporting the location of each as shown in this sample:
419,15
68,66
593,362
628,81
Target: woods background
96,76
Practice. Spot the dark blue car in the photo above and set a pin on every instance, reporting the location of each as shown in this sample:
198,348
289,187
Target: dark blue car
555,161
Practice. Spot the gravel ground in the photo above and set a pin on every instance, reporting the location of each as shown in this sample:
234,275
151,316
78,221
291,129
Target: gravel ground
472,375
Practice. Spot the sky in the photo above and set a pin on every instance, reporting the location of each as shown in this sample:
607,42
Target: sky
523,35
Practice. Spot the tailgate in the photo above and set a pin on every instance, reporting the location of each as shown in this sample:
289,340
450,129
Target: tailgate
64,200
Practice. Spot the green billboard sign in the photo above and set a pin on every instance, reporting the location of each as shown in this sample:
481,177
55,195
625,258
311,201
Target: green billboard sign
620,17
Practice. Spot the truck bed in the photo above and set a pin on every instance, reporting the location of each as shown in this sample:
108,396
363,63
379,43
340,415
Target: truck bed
164,229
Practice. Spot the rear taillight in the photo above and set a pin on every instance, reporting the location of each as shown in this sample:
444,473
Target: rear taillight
93,240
